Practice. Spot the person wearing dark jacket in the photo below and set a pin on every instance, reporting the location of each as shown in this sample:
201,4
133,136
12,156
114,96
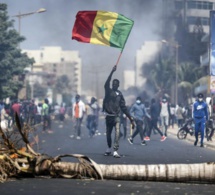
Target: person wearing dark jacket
154,113
113,104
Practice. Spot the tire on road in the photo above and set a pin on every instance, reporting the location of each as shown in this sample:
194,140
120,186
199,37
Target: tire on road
182,134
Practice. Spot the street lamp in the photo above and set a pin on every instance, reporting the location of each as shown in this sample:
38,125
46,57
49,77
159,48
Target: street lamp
19,16
176,46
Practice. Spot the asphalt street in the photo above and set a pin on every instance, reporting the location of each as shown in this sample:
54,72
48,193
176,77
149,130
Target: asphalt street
170,151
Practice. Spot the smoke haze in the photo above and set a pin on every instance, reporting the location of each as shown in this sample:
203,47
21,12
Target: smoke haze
54,27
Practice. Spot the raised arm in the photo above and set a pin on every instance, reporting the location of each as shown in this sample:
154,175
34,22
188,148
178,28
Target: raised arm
107,83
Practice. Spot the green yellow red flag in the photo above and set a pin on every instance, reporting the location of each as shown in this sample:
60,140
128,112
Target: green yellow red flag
102,27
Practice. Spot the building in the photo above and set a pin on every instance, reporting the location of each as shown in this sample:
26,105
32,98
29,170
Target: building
195,13
55,62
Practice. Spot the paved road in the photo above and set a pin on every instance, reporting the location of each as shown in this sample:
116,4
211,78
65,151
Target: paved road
156,152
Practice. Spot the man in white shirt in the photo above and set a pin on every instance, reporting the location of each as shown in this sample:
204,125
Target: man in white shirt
164,114
79,110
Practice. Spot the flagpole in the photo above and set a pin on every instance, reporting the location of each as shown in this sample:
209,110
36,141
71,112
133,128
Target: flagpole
118,58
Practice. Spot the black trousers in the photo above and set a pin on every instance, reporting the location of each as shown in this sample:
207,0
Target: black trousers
139,129
112,122
154,124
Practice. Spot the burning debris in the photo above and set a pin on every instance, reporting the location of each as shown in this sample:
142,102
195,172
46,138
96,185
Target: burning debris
18,158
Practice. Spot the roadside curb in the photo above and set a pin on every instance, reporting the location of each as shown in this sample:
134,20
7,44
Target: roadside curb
207,144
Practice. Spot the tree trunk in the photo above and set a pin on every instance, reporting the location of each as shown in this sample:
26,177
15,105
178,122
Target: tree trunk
199,173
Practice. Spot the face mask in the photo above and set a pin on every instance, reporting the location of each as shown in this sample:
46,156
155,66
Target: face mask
138,101
200,99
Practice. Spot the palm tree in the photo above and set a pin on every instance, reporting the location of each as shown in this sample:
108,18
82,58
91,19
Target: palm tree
160,76
188,74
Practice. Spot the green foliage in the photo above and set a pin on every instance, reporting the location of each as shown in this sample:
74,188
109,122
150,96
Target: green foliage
160,75
12,60
189,72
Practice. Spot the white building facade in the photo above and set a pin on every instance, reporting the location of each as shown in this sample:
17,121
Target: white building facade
57,62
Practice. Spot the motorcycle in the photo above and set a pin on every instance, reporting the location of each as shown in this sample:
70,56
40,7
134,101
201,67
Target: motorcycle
210,130
187,128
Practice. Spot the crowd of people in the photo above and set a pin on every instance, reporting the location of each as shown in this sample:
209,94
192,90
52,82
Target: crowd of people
146,117
156,115
31,113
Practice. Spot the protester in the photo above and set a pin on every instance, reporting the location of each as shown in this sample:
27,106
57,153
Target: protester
91,116
32,111
57,111
46,116
5,121
79,110
179,115
113,104
200,116
138,112
39,113
164,115
154,113
15,108
62,112
172,115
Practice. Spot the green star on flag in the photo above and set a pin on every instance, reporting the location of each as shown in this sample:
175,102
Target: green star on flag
89,28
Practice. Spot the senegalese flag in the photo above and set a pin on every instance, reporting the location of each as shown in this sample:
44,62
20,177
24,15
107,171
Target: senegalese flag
101,27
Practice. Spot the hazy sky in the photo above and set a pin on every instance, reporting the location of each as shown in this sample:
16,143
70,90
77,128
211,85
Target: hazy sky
54,27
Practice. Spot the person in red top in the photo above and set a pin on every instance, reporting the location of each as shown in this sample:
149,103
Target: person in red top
15,109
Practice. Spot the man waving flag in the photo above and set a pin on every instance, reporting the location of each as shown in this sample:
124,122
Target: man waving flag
101,27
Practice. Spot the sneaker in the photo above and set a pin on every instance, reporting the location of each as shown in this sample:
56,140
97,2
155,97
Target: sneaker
78,137
116,155
130,140
146,138
72,136
143,143
202,145
195,143
108,152
50,131
163,138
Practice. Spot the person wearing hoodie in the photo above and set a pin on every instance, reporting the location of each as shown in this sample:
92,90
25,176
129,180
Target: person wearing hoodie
138,112
200,116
